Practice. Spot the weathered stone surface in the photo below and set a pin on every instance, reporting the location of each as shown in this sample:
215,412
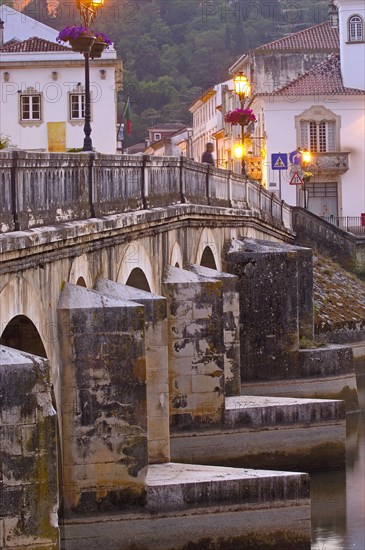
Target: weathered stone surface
155,311
28,453
331,360
324,237
181,486
275,300
231,336
104,415
196,348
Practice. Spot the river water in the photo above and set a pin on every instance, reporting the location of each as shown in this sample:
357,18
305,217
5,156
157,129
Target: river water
338,497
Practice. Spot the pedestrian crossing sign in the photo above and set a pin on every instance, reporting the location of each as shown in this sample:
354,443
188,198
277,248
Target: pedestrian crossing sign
279,161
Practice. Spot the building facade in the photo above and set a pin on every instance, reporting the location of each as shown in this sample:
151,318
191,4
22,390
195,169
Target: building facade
42,99
308,91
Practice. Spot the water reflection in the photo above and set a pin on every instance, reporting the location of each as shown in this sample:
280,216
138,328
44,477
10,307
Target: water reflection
338,497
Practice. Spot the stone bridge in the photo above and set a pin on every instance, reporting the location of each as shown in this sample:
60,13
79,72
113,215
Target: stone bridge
151,288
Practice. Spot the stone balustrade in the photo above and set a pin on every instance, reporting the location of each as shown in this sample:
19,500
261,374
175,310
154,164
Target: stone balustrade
335,163
39,189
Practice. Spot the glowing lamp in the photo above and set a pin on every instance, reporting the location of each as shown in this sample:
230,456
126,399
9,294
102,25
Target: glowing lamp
239,151
242,86
306,156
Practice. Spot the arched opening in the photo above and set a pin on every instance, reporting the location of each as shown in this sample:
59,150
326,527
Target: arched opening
81,282
20,333
208,259
177,264
138,279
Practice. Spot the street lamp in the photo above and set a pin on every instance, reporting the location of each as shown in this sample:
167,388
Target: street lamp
88,10
306,160
242,89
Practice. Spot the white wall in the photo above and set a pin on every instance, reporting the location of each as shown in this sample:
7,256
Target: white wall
281,137
19,26
352,54
35,73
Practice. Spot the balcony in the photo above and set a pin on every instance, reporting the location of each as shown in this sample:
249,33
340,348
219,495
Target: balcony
334,163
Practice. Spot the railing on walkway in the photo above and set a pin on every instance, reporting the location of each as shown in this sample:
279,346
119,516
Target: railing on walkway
352,224
38,189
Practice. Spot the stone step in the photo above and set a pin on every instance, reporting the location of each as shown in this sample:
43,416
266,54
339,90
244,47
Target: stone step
343,387
263,411
269,432
175,486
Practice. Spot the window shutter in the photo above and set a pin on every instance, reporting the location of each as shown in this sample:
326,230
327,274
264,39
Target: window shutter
304,128
331,136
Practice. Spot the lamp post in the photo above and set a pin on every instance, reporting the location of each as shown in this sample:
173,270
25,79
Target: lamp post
306,160
88,10
242,88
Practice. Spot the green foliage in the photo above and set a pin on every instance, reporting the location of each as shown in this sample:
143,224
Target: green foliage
5,141
175,49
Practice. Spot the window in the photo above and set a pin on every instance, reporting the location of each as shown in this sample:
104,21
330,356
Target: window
30,107
318,137
77,106
356,33
157,137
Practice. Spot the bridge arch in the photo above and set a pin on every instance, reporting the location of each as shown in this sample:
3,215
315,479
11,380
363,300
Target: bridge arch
80,272
22,334
138,279
19,300
208,250
176,257
136,257
208,259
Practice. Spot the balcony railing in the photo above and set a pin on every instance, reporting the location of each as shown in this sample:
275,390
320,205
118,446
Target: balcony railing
352,224
335,163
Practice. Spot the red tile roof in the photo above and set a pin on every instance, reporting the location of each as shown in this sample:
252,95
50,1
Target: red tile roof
323,79
321,37
33,44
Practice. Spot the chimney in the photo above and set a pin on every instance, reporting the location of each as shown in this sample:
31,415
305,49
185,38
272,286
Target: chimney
1,33
333,15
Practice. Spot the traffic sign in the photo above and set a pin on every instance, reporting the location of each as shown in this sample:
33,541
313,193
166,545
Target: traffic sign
279,161
295,157
296,179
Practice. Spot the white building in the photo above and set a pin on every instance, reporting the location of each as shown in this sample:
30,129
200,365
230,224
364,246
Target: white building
308,91
42,93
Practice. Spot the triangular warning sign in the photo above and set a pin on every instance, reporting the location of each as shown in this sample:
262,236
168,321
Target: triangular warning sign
296,179
279,163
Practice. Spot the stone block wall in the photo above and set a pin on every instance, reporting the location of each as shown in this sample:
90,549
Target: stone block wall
196,348
231,332
157,377
276,306
104,415
28,454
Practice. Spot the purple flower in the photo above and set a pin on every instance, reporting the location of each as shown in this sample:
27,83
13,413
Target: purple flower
101,37
73,32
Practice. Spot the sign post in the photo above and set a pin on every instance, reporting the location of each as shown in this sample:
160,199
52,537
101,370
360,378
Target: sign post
279,161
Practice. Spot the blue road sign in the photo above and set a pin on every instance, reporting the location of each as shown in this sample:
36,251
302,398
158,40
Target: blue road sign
295,157
279,161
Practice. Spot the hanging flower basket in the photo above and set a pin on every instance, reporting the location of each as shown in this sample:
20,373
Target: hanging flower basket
241,117
82,44
307,176
101,43
80,38
97,49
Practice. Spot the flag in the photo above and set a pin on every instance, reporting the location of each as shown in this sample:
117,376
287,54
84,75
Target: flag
127,114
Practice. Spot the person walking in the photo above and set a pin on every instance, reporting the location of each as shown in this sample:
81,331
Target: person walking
207,155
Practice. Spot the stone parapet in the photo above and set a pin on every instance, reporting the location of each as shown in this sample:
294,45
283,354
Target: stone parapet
43,189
